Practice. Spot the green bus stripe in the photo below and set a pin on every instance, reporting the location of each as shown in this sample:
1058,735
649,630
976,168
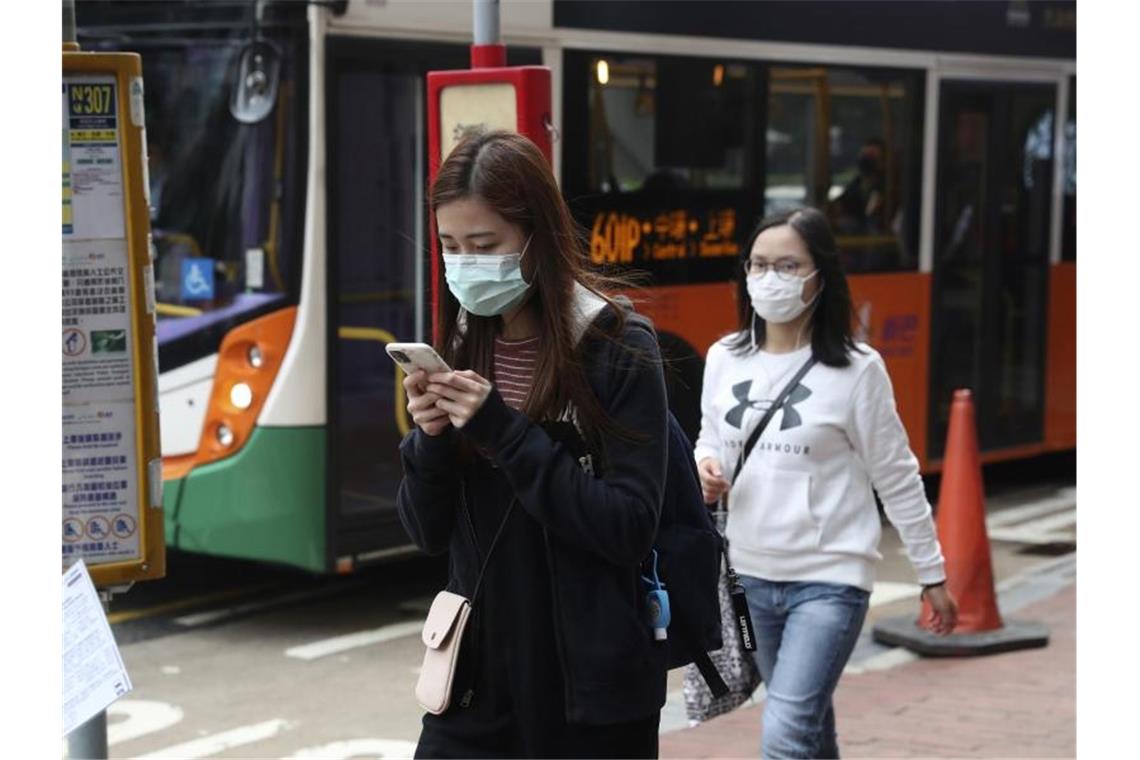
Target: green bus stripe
267,502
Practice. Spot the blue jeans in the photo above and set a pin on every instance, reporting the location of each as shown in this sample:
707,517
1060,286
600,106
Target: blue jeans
805,633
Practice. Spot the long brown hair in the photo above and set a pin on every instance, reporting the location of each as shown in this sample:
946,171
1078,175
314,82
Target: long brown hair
509,173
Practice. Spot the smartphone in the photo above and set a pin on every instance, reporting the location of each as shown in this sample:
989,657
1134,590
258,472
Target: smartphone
413,356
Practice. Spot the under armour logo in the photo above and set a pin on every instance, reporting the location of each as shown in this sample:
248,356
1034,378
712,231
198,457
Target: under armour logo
736,414
791,418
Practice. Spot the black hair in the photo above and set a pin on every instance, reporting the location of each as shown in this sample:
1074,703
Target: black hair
831,319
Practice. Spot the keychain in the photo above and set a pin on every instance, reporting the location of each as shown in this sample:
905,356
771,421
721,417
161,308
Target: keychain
657,604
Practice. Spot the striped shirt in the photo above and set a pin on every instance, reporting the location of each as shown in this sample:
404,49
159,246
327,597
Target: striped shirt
514,369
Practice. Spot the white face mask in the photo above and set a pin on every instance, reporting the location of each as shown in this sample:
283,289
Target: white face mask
486,284
776,300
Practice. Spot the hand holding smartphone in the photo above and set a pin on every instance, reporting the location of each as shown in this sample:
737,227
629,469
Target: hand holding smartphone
414,356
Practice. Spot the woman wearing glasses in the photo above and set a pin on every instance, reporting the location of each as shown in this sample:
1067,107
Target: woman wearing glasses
803,529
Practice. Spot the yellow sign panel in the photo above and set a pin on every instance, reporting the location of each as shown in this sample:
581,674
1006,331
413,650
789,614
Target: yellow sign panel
112,479
93,135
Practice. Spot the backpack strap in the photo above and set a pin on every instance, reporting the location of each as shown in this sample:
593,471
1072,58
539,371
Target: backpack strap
709,672
779,402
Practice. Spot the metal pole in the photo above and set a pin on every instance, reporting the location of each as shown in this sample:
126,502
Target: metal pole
486,22
69,21
89,741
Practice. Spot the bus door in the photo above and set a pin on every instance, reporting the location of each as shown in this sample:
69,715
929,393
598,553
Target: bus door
991,249
378,273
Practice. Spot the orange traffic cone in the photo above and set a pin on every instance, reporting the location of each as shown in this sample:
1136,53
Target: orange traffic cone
961,524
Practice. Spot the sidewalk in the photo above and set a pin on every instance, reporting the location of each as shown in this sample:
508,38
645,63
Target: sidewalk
1020,704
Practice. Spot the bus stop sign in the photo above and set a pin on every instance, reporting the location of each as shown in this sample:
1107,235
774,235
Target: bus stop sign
112,468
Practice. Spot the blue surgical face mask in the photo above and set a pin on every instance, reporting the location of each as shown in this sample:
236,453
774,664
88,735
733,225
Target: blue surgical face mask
486,284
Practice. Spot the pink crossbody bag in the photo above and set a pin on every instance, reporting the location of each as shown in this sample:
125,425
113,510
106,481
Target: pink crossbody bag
443,633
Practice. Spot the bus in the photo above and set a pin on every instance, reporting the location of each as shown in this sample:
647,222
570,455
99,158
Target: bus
287,167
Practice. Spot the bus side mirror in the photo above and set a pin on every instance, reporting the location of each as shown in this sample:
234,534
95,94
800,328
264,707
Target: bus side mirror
258,75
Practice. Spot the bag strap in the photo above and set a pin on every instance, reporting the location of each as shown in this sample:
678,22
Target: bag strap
717,687
779,402
733,579
491,550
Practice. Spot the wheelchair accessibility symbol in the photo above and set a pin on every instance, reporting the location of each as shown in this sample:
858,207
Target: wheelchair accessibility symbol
197,279
123,526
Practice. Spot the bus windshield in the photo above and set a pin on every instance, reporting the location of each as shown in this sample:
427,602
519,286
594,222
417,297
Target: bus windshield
226,197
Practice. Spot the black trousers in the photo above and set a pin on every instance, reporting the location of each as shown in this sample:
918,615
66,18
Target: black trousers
465,736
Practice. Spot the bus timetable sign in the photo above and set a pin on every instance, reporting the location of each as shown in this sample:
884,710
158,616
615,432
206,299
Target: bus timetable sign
112,478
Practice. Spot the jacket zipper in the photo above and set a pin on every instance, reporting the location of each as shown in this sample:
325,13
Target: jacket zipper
558,642
469,693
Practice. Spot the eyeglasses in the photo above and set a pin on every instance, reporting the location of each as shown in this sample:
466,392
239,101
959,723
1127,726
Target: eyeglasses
785,269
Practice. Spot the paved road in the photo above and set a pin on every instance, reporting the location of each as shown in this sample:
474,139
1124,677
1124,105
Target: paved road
283,665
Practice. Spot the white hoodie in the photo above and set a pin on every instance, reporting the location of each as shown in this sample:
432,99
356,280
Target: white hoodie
802,508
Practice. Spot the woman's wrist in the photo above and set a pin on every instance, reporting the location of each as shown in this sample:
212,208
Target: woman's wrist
928,586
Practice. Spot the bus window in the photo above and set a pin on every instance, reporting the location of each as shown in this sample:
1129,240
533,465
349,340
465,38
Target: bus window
226,197
1069,211
642,134
659,192
849,142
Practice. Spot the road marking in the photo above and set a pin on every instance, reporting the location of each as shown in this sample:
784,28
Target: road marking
1052,528
382,748
337,644
217,743
181,604
1064,499
1060,571
889,659
419,605
142,717
213,616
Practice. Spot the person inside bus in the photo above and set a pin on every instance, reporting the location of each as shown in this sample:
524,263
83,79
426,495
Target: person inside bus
559,658
860,208
803,528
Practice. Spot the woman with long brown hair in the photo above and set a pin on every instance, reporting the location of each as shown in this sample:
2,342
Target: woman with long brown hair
539,463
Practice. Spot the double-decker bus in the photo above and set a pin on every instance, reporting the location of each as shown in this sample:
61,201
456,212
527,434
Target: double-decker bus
288,175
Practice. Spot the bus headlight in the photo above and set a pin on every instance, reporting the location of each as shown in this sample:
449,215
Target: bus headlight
255,357
225,435
241,395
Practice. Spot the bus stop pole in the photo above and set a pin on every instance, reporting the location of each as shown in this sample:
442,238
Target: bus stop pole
486,22
89,740
487,51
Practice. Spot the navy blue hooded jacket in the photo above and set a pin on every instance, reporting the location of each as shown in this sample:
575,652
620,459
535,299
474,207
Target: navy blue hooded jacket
595,529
